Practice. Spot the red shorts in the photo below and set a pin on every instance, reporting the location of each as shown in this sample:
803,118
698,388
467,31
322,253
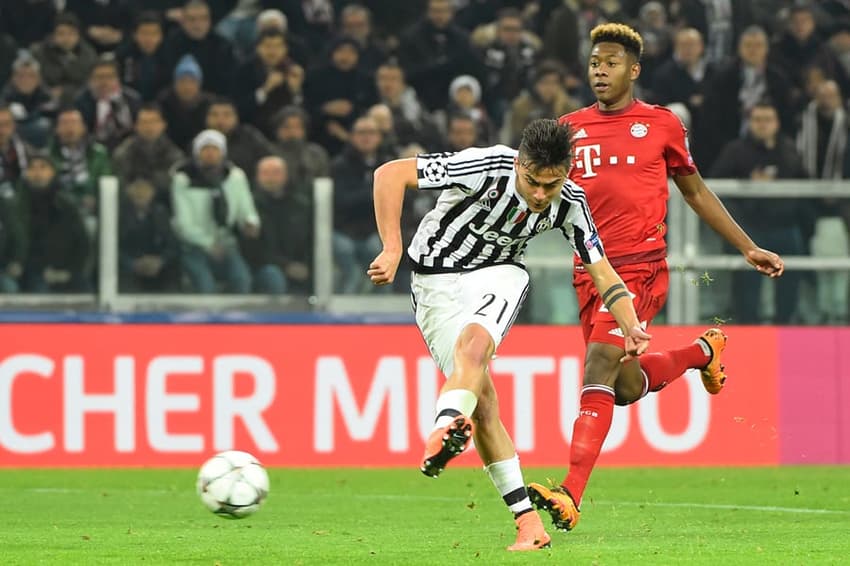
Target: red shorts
648,283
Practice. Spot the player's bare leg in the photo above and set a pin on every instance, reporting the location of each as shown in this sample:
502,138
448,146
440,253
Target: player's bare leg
501,463
601,367
458,399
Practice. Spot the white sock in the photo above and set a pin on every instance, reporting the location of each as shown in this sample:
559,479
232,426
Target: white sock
507,477
452,403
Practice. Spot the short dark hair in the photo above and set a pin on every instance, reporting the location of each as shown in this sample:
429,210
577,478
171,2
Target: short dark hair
546,144
147,17
270,33
150,107
222,101
621,34
288,112
66,19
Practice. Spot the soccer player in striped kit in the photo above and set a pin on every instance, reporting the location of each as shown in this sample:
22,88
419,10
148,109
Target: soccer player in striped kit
469,282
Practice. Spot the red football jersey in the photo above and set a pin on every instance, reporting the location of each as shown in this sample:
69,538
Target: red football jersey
622,160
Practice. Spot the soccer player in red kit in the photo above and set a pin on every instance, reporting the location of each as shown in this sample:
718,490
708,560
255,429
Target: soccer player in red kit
625,150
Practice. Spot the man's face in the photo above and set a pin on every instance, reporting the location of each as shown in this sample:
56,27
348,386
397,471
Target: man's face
689,46
104,80
828,98
345,57
196,22
187,88
271,175
149,125
801,24
764,123
752,49
141,194
26,79
272,50
210,156
148,37
547,87
539,186
440,13
509,31
365,136
611,72
70,128
39,174
464,97
292,129
222,117
66,37
356,24
390,81
462,134
7,127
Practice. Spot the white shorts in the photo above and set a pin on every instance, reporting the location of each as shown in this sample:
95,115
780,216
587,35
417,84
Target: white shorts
445,303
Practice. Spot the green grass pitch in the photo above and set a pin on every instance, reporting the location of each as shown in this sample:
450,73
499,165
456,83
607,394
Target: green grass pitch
789,515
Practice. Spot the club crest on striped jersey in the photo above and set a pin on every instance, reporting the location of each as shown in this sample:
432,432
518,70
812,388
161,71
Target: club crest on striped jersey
545,223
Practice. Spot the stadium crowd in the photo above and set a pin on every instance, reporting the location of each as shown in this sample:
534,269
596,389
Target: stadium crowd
216,116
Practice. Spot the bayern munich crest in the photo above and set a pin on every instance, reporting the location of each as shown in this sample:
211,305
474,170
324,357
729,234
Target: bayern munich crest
435,171
639,130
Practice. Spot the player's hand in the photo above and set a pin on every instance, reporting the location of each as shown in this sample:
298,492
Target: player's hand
765,262
382,270
636,343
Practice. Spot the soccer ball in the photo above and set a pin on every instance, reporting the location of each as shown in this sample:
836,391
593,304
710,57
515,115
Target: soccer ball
233,484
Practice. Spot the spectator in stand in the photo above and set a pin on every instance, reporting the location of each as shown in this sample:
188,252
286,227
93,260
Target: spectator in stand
822,143
311,20
720,22
434,51
462,133
657,41
108,108
383,117
211,201
765,154
509,59
148,153
57,242
80,162
212,52
239,25
142,59
273,19
184,105
836,61
29,101
12,244
264,85
245,144
336,93
103,21
465,98
8,55
355,239
545,98
305,161
65,58
412,122
148,250
14,153
797,48
736,88
282,258
356,22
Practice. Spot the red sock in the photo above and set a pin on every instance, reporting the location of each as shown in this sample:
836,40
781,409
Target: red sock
589,432
662,368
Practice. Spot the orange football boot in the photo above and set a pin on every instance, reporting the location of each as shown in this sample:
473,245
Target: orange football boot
530,533
444,444
714,374
556,501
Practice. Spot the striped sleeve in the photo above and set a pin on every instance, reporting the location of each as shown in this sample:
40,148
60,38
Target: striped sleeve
465,170
578,226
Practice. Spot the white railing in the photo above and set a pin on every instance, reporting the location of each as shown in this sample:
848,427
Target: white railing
686,263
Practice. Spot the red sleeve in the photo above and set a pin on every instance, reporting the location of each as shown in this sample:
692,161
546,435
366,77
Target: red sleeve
677,153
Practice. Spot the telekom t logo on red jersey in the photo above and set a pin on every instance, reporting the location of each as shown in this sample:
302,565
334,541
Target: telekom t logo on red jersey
590,156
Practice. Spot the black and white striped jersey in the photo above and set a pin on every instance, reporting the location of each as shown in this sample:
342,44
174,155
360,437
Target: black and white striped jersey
480,219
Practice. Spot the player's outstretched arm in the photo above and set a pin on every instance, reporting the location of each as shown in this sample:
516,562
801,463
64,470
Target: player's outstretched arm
708,207
390,181
618,301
